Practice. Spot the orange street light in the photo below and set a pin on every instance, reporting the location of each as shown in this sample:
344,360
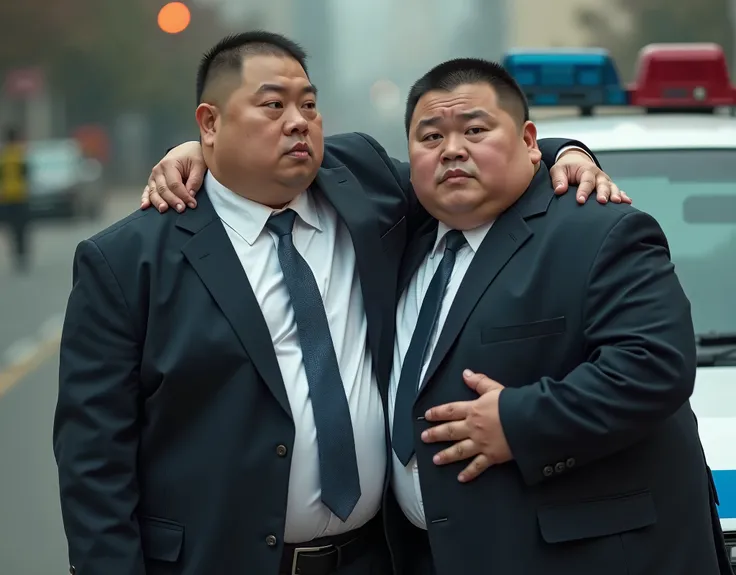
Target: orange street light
174,17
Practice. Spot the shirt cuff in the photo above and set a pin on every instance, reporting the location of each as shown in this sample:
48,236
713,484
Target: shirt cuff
568,148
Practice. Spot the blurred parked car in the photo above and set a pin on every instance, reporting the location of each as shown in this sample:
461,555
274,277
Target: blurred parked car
63,182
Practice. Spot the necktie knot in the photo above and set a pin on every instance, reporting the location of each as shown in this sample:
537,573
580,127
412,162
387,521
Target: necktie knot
282,223
454,240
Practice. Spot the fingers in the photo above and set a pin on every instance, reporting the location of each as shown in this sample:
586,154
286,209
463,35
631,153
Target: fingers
458,452
195,179
559,179
146,198
619,196
153,195
448,412
453,431
602,187
480,383
162,196
586,186
475,468
589,178
176,191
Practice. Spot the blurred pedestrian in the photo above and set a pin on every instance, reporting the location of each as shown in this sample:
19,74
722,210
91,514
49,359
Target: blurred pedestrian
15,210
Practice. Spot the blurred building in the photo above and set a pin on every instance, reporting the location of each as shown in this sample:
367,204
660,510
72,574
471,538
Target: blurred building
541,23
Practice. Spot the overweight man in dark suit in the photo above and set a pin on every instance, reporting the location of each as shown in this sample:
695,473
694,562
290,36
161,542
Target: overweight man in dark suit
578,454
224,371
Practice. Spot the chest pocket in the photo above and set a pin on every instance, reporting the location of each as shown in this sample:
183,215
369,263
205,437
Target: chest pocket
541,328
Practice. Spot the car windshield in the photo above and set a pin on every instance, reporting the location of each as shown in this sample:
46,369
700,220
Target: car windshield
692,194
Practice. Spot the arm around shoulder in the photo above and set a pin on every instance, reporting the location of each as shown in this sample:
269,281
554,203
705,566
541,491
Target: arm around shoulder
96,423
640,367
416,214
552,147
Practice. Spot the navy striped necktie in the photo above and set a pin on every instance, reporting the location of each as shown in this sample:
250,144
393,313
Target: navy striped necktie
403,430
338,465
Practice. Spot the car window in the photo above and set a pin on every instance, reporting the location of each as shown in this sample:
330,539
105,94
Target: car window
692,194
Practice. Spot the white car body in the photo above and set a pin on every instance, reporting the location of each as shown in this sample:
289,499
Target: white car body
714,398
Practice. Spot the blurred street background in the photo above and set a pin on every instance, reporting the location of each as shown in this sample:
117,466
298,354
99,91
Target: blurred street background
100,89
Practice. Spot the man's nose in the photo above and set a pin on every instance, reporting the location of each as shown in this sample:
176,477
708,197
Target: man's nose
295,122
454,149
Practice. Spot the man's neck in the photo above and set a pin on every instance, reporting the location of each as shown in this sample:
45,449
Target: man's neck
232,185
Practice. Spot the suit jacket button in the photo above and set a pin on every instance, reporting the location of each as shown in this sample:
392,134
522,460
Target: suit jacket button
560,467
570,462
281,451
548,471
271,541
72,569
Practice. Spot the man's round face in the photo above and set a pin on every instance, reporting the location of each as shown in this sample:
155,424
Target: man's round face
270,129
468,155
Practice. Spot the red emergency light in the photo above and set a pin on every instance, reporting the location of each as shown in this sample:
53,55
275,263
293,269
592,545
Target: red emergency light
684,76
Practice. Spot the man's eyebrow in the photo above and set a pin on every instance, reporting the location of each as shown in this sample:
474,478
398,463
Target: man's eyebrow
310,89
465,116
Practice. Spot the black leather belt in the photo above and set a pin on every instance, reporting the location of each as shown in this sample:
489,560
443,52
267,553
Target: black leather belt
326,555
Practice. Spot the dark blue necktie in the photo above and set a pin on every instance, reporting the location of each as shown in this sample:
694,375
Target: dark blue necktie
338,466
403,428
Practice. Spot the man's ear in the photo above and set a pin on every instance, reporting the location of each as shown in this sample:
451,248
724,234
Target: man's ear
530,138
207,117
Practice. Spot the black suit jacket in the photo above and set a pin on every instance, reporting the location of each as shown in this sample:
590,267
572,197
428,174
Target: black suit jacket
173,430
578,312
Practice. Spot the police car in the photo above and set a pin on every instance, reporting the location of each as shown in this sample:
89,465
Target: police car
669,141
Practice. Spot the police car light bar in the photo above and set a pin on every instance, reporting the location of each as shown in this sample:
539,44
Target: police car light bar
683,76
582,78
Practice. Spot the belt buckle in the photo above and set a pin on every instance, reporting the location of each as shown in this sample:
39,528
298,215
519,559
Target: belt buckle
299,550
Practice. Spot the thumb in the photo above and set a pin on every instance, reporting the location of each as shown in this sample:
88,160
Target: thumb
196,177
480,383
559,179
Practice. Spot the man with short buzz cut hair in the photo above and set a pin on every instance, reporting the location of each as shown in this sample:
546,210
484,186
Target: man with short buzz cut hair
530,433
244,434
228,55
453,73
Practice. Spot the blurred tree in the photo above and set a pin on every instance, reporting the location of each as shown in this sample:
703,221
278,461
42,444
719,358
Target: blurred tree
107,57
657,21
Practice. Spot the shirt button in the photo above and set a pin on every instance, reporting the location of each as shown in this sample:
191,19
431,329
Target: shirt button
281,451
271,541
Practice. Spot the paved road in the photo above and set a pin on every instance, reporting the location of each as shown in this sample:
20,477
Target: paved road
31,309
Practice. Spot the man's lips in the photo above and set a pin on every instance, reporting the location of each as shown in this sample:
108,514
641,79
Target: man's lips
299,149
451,174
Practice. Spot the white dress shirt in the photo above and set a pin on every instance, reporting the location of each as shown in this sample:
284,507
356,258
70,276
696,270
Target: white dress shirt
324,242
406,479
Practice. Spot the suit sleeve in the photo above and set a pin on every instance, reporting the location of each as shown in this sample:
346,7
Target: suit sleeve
96,424
640,368
551,147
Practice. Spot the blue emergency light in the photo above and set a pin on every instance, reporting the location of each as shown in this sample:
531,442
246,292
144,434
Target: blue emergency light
670,77
583,78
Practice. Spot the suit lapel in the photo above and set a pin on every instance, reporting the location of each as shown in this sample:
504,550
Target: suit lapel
417,249
506,236
345,193
213,257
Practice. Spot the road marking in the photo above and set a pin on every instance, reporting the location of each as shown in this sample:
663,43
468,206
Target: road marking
28,354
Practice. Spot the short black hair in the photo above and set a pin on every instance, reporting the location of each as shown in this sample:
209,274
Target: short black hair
453,73
228,54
